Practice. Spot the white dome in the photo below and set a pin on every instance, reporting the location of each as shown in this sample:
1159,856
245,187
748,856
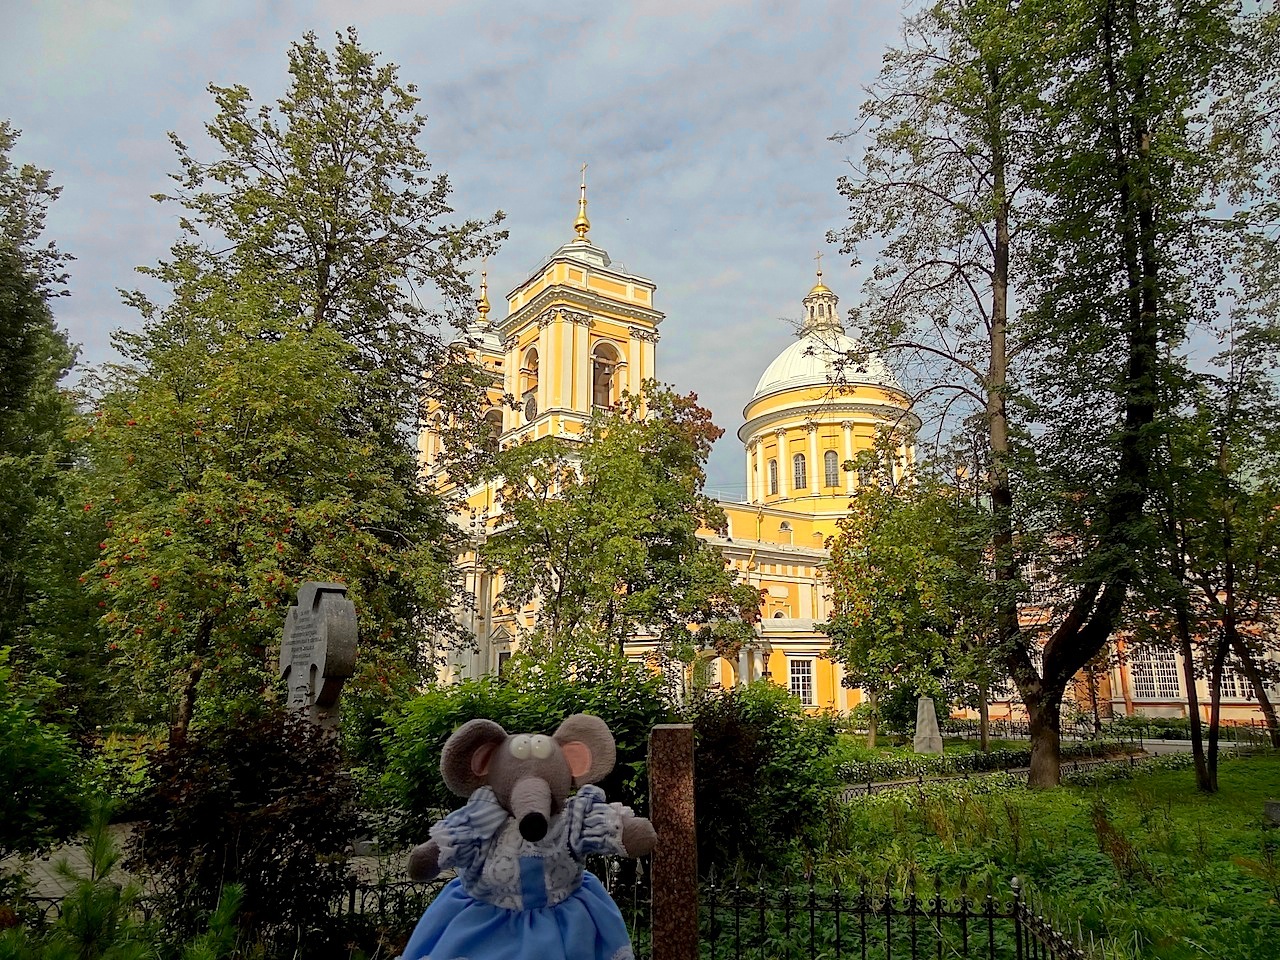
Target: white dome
822,360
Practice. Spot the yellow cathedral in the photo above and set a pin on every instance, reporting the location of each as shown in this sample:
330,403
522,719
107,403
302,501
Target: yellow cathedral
578,333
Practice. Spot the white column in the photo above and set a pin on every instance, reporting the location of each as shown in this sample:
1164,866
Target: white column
635,364
814,479
510,385
545,368
580,371
744,667
786,476
847,427
753,469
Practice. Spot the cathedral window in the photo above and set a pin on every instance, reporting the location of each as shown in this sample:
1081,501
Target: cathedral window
605,360
802,681
1155,675
529,373
831,466
799,473
492,428
773,477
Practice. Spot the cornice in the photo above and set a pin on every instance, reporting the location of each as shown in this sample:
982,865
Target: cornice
557,295
831,412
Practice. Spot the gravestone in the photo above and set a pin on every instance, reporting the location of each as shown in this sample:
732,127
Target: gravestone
928,735
318,652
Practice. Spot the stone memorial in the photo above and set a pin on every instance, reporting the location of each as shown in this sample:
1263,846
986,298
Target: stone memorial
318,652
928,734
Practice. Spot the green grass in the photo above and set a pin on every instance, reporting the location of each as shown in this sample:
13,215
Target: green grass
854,746
1149,863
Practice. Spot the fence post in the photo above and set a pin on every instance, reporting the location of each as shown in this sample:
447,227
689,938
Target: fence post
674,874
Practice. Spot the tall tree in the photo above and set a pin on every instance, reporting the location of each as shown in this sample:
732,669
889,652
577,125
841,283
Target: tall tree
603,529
1066,148
35,356
330,197
261,429
911,591
1125,253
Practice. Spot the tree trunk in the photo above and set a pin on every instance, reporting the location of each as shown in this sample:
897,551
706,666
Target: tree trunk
1044,718
1183,618
871,722
186,706
187,703
1249,668
984,718
1215,710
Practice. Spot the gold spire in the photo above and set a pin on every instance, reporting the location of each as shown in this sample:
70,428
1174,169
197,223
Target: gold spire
482,304
582,225
819,287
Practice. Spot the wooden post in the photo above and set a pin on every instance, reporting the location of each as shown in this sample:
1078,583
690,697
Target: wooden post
674,872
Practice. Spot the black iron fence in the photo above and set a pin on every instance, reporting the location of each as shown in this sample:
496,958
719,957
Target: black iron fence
864,924
1134,729
750,923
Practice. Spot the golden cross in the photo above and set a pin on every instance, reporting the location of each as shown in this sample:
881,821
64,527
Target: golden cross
819,259
584,173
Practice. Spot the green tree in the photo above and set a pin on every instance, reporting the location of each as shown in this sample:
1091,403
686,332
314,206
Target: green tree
1056,157
330,196
910,592
43,799
221,458
34,358
603,530
262,428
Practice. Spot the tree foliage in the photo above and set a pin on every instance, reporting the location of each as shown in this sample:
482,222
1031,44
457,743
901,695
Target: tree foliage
264,804
34,358
603,529
1039,175
261,430
43,800
911,596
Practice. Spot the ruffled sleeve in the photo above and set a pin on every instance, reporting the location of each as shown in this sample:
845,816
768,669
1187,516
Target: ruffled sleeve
595,825
463,833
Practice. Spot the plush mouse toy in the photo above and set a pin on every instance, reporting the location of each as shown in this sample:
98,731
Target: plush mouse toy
517,848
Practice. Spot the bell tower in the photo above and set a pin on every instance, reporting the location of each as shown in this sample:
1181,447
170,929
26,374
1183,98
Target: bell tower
579,332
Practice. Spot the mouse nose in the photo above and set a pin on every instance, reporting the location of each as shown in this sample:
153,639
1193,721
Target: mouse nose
533,827
531,806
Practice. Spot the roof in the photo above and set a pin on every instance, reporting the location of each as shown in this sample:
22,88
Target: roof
822,359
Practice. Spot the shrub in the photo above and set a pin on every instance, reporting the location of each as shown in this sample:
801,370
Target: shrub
532,696
41,800
265,805
99,916
761,778
122,769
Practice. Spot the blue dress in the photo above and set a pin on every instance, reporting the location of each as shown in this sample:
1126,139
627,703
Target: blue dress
514,899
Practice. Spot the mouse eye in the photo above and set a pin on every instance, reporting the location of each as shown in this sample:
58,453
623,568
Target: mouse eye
520,747
543,747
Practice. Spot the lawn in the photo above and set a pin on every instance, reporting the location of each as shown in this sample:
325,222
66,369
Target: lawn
1147,862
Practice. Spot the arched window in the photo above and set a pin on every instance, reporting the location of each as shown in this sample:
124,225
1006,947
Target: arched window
604,369
831,467
529,372
492,428
799,475
773,477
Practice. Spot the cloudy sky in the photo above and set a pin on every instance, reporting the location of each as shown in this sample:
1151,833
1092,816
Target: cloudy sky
705,124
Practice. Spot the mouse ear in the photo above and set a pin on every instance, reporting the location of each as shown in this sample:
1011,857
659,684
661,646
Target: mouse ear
588,747
464,763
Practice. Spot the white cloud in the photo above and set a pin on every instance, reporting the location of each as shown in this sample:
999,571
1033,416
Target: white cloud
704,124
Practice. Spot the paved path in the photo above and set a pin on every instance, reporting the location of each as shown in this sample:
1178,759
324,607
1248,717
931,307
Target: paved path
48,880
